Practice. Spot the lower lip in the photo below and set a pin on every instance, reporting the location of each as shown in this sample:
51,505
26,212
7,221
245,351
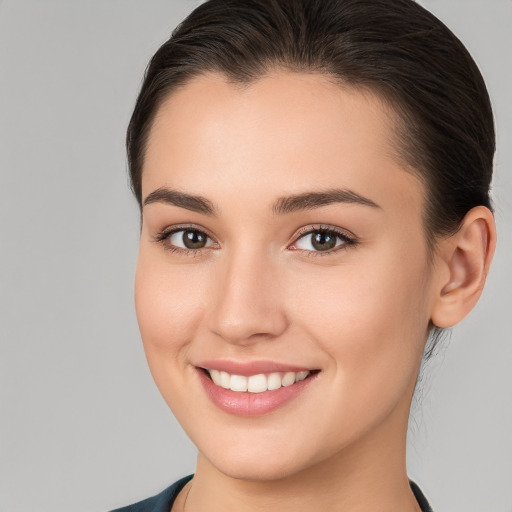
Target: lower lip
252,404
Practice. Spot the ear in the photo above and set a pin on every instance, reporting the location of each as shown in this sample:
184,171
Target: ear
463,263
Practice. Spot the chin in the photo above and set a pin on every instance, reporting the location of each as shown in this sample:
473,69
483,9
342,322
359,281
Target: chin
257,462
267,471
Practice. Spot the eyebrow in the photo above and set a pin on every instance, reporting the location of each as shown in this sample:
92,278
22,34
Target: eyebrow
312,200
282,206
194,203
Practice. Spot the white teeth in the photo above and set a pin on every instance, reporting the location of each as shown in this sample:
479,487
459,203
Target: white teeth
274,381
301,375
215,375
288,379
238,383
256,383
224,379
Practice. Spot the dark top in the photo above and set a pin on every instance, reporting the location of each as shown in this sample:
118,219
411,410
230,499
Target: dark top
163,502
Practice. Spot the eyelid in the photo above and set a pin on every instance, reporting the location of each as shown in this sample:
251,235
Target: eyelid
344,233
346,236
183,227
162,235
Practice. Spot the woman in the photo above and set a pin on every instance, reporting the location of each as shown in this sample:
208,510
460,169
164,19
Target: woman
313,180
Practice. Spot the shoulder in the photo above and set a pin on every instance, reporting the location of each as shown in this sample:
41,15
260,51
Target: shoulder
162,502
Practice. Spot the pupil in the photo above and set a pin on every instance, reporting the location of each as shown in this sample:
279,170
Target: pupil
194,239
323,241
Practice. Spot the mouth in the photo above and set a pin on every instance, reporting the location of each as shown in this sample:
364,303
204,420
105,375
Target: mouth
252,391
258,383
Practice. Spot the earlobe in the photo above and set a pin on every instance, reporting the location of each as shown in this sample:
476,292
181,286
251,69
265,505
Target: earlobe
465,260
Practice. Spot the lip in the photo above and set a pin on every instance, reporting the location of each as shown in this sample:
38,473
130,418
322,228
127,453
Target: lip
250,367
252,404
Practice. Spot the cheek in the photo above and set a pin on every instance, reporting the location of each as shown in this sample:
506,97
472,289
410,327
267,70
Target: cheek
371,322
169,303
363,300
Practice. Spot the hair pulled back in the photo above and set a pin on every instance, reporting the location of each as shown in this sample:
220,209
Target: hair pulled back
394,48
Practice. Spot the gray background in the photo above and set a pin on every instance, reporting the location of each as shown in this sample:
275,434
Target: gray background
82,426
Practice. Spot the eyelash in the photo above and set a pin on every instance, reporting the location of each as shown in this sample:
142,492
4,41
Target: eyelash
348,240
162,238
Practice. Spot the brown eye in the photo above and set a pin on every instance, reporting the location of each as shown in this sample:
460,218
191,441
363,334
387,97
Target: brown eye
194,239
322,240
189,239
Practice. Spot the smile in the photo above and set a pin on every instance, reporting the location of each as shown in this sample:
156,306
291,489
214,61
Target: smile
256,383
253,389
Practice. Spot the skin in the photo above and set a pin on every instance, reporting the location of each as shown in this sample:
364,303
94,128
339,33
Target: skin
259,290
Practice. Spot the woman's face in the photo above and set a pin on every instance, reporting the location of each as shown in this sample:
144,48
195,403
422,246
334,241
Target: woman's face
280,234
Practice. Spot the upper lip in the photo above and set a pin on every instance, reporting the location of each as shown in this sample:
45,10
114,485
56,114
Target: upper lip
247,368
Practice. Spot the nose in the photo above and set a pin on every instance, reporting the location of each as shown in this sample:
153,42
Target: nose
247,307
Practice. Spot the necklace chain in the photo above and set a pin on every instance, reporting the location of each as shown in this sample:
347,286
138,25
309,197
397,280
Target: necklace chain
186,497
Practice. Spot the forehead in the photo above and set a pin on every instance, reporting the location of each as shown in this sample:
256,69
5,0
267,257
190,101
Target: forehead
284,131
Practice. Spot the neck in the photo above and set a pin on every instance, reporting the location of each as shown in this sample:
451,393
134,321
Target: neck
369,475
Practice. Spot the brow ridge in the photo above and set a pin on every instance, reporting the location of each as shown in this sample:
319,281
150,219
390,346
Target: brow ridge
190,202
312,200
282,206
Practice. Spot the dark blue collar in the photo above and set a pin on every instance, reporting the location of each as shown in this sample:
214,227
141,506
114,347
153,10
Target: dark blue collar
163,502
